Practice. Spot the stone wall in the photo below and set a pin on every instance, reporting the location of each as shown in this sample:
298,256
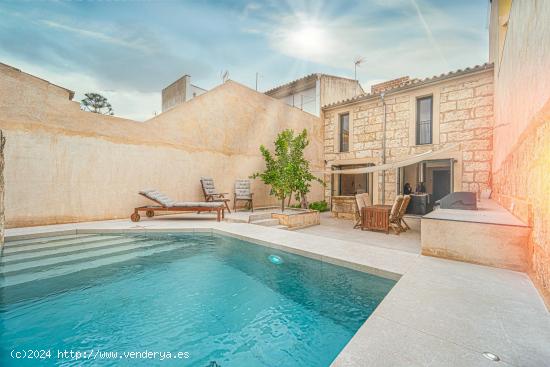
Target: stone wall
2,219
66,165
522,185
521,164
463,118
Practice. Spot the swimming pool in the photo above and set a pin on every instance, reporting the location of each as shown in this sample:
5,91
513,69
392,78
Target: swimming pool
221,300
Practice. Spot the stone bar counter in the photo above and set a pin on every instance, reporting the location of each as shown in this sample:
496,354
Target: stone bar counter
343,207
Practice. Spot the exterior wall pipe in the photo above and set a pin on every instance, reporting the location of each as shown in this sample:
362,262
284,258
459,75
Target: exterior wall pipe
383,193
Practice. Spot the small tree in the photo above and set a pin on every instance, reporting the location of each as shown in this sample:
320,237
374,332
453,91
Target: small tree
277,172
287,171
96,103
301,175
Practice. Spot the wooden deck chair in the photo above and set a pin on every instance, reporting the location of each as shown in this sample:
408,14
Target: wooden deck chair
359,205
210,193
402,224
243,193
361,201
394,213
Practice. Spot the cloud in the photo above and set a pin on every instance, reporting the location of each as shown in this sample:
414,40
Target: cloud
429,31
251,7
131,57
134,43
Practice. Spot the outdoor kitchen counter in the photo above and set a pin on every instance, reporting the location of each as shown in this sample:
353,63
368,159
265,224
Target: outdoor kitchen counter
488,211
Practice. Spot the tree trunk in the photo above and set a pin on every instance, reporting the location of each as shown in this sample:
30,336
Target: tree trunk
304,202
283,205
289,198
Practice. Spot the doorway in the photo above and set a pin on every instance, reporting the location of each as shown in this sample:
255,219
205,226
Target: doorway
435,175
441,183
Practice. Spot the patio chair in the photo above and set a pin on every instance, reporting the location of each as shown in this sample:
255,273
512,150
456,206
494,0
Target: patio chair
167,204
394,214
243,193
361,201
403,226
210,193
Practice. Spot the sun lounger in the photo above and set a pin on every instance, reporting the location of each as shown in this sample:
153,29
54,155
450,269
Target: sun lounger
167,204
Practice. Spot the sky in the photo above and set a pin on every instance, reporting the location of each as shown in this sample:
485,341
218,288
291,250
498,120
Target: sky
128,50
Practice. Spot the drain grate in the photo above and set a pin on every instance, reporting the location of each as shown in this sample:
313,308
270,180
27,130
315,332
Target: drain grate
491,356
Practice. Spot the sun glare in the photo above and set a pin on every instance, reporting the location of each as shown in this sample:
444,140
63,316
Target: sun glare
308,39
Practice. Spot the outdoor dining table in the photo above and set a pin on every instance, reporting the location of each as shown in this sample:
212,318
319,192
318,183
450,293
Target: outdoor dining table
376,218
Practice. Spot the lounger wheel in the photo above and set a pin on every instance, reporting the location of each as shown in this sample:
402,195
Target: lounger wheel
135,217
150,213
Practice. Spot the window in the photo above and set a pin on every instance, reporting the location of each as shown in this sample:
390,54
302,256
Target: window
424,119
344,132
351,185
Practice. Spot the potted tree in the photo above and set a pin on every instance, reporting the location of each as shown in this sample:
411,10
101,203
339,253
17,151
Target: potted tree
287,172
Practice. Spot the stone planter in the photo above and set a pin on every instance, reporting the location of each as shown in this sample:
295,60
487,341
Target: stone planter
297,218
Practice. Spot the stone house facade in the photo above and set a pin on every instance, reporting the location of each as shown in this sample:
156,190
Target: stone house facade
456,114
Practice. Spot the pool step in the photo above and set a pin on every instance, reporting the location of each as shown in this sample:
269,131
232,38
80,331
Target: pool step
258,216
124,245
68,249
57,245
38,240
280,226
266,222
65,268
235,220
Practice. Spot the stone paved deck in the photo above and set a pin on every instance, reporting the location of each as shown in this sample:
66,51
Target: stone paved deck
343,229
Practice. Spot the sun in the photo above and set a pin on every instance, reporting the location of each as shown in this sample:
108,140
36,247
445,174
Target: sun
307,39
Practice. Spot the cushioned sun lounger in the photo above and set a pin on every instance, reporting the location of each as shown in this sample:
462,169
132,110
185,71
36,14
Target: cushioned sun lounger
167,204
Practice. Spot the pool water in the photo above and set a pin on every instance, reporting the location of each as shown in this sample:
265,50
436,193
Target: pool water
221,300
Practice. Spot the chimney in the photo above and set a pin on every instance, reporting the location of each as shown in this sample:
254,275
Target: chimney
390,84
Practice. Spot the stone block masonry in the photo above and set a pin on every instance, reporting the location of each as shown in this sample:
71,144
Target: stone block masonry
521,154
522,185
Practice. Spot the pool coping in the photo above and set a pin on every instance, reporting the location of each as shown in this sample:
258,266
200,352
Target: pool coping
394,335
